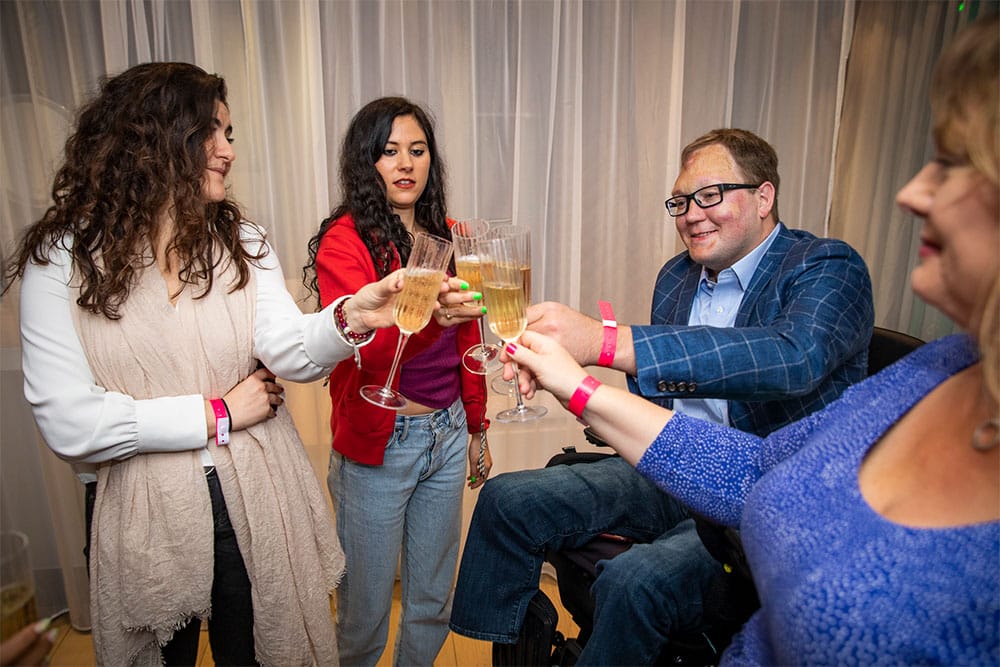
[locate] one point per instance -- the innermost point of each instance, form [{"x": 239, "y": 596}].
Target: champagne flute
[
  {"x": 523, "y": 234},
  {"x": 425, "y": 270},
  {"x": 501, "y": 261},
  {"x": 482, "y": 358}
]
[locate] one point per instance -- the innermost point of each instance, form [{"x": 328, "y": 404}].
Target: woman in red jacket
[{"x": 396, "y": 477}]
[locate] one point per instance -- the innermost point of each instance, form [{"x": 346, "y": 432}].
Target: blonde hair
[{"x": 965, "y": 103}]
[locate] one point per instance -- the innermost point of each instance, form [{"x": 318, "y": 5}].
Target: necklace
[{"x": 986, "y": 436}]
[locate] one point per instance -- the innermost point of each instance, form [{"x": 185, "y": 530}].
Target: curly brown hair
[{"x": 138, "y": 149}]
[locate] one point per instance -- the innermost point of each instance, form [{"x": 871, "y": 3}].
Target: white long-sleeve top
[{"x": 85, "y": 424}]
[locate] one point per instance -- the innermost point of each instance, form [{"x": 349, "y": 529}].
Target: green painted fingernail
[
  {"x": 465, "y": 285},
  {"x": 477, "y": 296},
  {"x": 484, "y": 310}
]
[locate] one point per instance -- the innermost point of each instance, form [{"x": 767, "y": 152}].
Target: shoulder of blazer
[{"x": 791, "y": 252}]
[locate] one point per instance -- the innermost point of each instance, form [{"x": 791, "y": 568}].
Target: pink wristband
[
  {"x": 221, "y": 421},
  {"x": 610, "y": 342},
  {"x": 582, "y": 394}
]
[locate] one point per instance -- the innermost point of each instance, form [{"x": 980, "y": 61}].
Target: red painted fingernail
[{"x": 511, "y": 348}]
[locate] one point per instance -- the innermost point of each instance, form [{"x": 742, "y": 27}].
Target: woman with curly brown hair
[
  {"x": 153, "y": 321},
  {"x": 396, "y": 479}
]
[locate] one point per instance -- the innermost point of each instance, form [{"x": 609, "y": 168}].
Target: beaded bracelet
[
  {"x": 344, "y": 329},
  {"x": 352, "y": 338}
]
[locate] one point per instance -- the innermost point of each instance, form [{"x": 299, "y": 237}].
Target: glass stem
[
  {"x": 482, "y": 338},
  {"x": 517, "y": 389},
  {"x": 403, "y": 337}
]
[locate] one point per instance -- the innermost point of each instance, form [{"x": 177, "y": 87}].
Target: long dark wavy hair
[
  {"x": 364, "y": 192},
  {"x": 138, "y": 149}
]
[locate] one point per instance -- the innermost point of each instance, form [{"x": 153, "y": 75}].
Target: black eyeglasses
[{"x": 706, "y": 197}]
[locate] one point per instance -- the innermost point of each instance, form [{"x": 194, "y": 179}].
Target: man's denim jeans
[{"x": 641, "y": 596}]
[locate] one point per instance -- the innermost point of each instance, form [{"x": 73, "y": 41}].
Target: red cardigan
[{"x": 360, "y": 429}]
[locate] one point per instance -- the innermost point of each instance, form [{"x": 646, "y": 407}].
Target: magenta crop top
[{"x": 432, "y": 377}]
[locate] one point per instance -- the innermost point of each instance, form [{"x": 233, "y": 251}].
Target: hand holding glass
[
  {"x": 425, "y": 270},
  {"x": 481, "y": 358},
  {"x": 502, "y": 262}
]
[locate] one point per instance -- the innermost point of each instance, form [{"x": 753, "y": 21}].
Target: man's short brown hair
[{"x": 754, "y": 156}]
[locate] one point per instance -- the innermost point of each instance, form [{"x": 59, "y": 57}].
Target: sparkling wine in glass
[
  {"x": 503, "y": 284},
  {"x": 522, "y": 234},
  {"x": 481, "y": 358},
  {"x": 425, "y": 271}
]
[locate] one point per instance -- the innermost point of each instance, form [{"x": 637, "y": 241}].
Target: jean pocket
[
  {"x": 397, "y": 435},
  {"x": 460, "y": 420}
]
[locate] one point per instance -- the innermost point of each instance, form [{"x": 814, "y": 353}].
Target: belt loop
[
  {"x": 442, "y": 419},
  {"x": 437, "y": 421},
  {"x": 404, "y": 427}
]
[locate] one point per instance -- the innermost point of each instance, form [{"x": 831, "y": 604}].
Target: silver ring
[{"x": 447, "y": 314}]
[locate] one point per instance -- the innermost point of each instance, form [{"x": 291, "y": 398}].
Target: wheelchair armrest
[{"x": 593, "y": 438}]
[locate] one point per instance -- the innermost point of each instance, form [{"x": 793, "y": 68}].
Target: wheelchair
[
  {"x": 730, "y": 601},
  {"x": 732, "y": 597}
]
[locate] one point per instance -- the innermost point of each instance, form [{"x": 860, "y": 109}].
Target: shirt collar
[{"x": 747, "y": 266}]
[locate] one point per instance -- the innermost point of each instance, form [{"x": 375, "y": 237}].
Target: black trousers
[{"x": 230, "y": 630}]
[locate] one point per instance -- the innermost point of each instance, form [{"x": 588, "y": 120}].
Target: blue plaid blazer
[{"x": 801, "y": 335}]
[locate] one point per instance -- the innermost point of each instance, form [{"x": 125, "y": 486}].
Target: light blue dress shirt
[{"x": 716, "y": 304}]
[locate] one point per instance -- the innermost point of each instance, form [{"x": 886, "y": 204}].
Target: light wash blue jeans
[{"x": 409, "y": 511}]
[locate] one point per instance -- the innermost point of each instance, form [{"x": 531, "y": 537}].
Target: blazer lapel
[
  {"x": 674, "y": 306},
  {"x": 766, "y": 273}
]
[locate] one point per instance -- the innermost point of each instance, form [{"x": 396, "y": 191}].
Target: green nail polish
[
  {"x": 477, "y": 297},
  {"x": 484, "y": 310},
  {"x": 465, "y": 285}
]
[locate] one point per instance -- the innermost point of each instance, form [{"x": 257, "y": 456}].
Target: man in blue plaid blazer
[{"x": 755, "y": 326}]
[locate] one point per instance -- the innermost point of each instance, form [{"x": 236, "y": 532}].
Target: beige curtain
[
  {"x": 884, "y": 139},
  {"x": 567, "y": 115}
]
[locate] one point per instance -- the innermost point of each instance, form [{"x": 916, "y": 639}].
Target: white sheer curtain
[
  {"x": 568, "y": 116},
  {"x": 884, "y": 139}
]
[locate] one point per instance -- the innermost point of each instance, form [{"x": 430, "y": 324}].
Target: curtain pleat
[{"x": 883, "y": 139}]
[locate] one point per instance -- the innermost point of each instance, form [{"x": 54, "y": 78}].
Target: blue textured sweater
[{"x": 839, "y": 584}]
